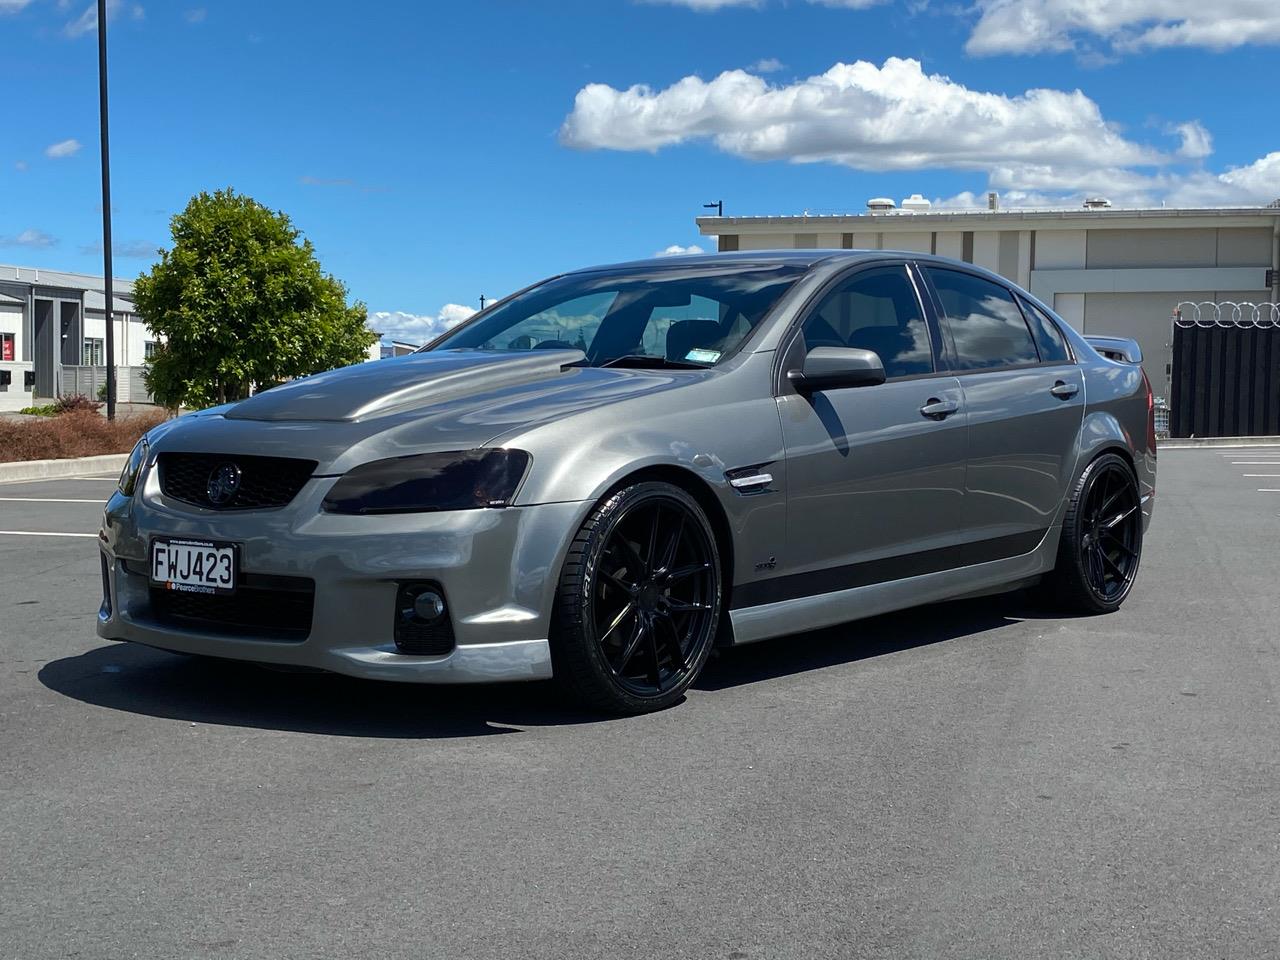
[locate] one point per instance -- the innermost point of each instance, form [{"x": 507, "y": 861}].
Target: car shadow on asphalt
[
  {"x": 848, "y": 643},
  {"x": 136, "y": 679}
]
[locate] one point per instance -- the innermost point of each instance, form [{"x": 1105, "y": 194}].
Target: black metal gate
[{"x": 1226, "y": 377}]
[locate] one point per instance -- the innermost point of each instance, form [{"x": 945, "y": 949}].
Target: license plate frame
[{"x": 190, "y": 582}]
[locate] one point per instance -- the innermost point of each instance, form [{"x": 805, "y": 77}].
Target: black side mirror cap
[{"x": 834, "y": 368}]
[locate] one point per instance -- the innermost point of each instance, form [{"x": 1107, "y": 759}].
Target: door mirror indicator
[{"x": 834, "y": 368}]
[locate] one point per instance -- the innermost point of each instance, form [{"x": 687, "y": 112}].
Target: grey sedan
[{"x": 606, "y": 474}]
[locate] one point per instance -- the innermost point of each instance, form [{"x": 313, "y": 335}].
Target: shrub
[
  {"x": 76, "y": 402},
  {"x": 81, "y": 433},
  {"x": 44, "y": 410}
]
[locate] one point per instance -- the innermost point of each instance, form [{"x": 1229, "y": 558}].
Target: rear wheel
[
  {"x": 1101, "y": 539},
  {"x": 638, "y": 601}
]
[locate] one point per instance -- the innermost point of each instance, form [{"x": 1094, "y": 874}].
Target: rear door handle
[
  {"x": 937, "y": 409},
  {"x": 1065, "y": 391}
]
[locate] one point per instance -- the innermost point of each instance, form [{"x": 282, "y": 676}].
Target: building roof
[
  {"x": 900, "y": 217},
  {"x": 93, "y": 300},
  {"x": 42, "y": 277}
]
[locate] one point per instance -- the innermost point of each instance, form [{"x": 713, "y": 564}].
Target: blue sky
[{"x": 433, "y": 152}]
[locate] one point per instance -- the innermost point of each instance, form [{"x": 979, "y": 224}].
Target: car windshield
[{"x": 662, "y": 317}]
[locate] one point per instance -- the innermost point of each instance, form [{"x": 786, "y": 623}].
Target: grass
[{"x": 78, "y": 433}]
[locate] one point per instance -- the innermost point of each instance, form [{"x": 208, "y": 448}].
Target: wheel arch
[{"x": 701, "y": 491}]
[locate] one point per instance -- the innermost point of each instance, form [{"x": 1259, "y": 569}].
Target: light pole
[
  {"x": 106, "y": 210},
  {"x": 718, "y": 207}
]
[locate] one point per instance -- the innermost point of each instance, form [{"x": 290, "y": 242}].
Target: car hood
[
  {"x": 386, "y": 387},
  {"x": 395, "y": 407}
]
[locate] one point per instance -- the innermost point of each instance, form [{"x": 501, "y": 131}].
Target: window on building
[
  {"x": 875, "y": 310},
  {"x": 7, "y": 347},
  {"x": 984, "y": 320},
  {"x": 93, "y": 352},
  {"x": 149, "y": 349}
]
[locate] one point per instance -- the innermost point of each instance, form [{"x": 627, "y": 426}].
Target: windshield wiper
[{"x": 648, "y": 361}]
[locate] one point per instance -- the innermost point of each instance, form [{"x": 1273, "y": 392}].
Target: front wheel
[
  {"x": 1101, "y": 539},
  {"x": 639, "y": 600}
]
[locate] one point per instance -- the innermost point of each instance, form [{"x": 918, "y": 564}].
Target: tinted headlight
[
  {"x": 133, "y": 467},
  {"x": 457, "y": 480}
]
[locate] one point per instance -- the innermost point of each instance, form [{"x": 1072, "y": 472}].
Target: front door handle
[
  {"x": 937, "y": 409},
  {"x": 1065, "y": 391}
]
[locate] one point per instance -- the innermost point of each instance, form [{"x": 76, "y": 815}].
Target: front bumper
[{"x": 497, "y": 569}]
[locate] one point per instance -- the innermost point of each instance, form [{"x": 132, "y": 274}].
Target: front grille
[
  {"x": 263, "y": 607},
  {"x": 265, "y": 482}
]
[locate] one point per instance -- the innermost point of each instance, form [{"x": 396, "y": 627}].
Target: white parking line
[
  {"x": 42, "y": 533},
  {"x": 1260, "y": 474},
  {"x": 1268, "y": 490},
  {"x": 43, "y": 500},
  {"x": 1255, "y": 463},
  {"x": 58, "y": 480}
]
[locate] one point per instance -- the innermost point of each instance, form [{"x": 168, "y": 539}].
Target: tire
[
  {"x": 638, "y": 603},
  {"x": 1101, "y": 543}
]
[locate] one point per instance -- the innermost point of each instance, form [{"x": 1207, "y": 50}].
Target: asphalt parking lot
[{"x": 973, "y": 779}]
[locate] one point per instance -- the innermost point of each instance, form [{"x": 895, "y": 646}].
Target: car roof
[{"x": 770, "y": 258}]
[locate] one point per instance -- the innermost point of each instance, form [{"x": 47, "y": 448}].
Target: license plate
[{"x": 193, "y": 566}]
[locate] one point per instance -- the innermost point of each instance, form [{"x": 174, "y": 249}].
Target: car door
[
  {"x": 875, "y": 474},
  {"x": 1024, "y": 397}
]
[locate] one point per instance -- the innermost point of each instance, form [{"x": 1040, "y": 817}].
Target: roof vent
[
  {"x": 880, "y": 204},
  {"x": 916, "y": 204},
  {"x": 993, "y": 200},
  {"x": 1096, "y": 203}
]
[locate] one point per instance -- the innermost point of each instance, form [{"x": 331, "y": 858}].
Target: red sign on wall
[{"x": 6, "y": 346}]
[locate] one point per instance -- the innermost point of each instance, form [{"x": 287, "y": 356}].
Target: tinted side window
[
  {"x": 1053, "y": 347},
  {"x": 985, "y": 322},
  {"x": 875, "y": 310}
]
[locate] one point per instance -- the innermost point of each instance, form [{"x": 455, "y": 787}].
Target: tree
[{"x": 238, "y": 302}]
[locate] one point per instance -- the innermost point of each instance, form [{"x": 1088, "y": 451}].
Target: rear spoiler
[{"x": 1120, "y": 349}]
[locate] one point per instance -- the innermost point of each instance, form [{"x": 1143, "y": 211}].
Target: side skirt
[{"x": 841, "y": 606}]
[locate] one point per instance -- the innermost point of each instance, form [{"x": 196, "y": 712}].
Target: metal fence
[
  {"x": 1226, "y": 370},
  {"x": 91, "y": 382}
]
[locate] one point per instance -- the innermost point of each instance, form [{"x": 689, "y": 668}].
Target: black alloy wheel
[
  {"x": 1112, "y": 536},
  {"x": 1101, "y": 538},
  {"x": 639, "y": 600}
]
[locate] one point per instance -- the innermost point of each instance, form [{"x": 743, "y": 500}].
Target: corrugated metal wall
[{"x": 1226, "y": 381}]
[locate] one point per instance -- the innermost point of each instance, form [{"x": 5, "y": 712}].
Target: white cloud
[
  {"x": 1196, "y": 140},
  {"x": 87, "y": 22},
  {"x": 63, "y": 148},
  {"x": 1027, "y": 26},
  {"x": 707, "y": 6},
  {"x": 1043, "y": 146},
  {"x": 767, "y": 65},
  {"x": 893, "y": 117},
  {"x": 418, "y": 328},
  {"x": 675, "y": 250},
  {"x": 196, "y": 15},
  {"x": 849, "y": 4},
  {"x": 36, "y": 239},
  {"x": 13, "y": 6},
  {"x": 20, "y": 166}
]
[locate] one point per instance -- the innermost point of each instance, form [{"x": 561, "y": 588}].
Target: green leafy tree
[{"x": 241, "y": 301}]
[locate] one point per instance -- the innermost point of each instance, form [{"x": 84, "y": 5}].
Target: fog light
[
  {"x": 422, "y": 623},
  {"x": 429, "y": 605}
]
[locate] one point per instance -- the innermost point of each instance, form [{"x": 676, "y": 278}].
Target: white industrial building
[
  {"x": 1103, "y": 269},
  {"x": 53, "y": 336}
]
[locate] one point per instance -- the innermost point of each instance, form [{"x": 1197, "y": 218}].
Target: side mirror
[{"x": 832, "y": 368}]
